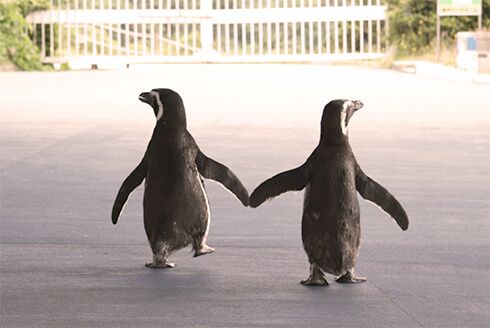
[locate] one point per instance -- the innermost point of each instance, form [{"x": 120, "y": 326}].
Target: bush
[
  {"x": 413, "y": 25},
  {"x": 15, "y": 44}
]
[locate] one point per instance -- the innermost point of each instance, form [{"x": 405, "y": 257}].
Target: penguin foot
[
  {"x": 350, "y": 278},
  {"x": 163, "y": 265},
  {"x": 204, "y": 249},
  {"x": 316, "y": 277},
  {"x": 319, "y": 281}
]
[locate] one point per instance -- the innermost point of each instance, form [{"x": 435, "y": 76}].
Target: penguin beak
[
  {"x": 357, "y": 104},
  {"x": 145, "y": 97}
]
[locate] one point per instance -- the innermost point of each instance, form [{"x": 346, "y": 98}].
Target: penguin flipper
[
  {"x": 374, "y": 192},
  {"x": 295, "y": 179},
  {"x": 133, "y": 180},
  {"x": 210, "y": 169}
]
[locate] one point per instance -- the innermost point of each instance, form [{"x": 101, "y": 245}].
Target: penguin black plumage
[
  {"x": 331, "y": 216},
  {"x": 175, "y": 205}
]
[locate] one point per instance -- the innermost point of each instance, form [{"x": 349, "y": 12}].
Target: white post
[
  {"x": 169, "y": 31},
  {"x": 269, "y": 38},
  {"x": 261, "y": 32},
  {"x": 143, "y": 30},
  {"x": 94, "y": 42},
  {"x": 302, "y": 26},
  {"x": 118, "y": 27},
  {"x": 303, "y": 38},
  {"x": 319, "y": 36},
  {"x": 152, "y": 39},
  {"x": 361, "y": 36},
  {"x": 295, "y": 41},
  {"x": 244, "y": 38},
  {"x": 85, "y": 32},
  {"x": 102, "y": 31},
  {"x": 68, "y": 28},
  {"x": 169, "y": 35},
  {"x": 328, "y": 49},
  {"x": 261, "y": 38},
  {"x": 218, "y": 37},
  {"x": 310, "y": 37},
  {"x": 252, "y": 38},
  {"x": 353, "y": 36},
  {"x": 286, "y": 38},
  {"x": 186, "y": 33},
  {"x": 60, "y": 31},
  {"x": 278, "y": 39},
  {"x": 438, "y": 35},
  {"x": 235, "y": 38},
  {"x": 111, "y": 43},
  {"x": 378, "y": 27},
  {"x": 336, "y": 36},
  {"x": 160, "y": 31},
  {"x": 227, "y": 39},
  {"x": 126, "y": 26},
  {"x": 207, "y": 28},
  {"x": 51, "y": 30},
  {"x": 344, "y": 36},
  {"x": 177, "y": 38},
  {"x": 194, "y": 37},
  {"x": 310, "y": 31},
  {"x": 43, "y": 40}
]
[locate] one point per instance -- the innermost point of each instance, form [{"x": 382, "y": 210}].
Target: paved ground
[{"x": 69, "y": 139}]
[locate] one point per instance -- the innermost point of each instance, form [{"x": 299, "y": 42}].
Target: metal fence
[{"x": 98, "y": 32}]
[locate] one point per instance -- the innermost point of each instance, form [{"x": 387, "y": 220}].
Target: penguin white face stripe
[
  {"x": 343, "y": 116},
  {"x": 159, "y": 103}
]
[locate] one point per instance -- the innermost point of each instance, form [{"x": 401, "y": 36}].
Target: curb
[{"x": 439, "y": 71}]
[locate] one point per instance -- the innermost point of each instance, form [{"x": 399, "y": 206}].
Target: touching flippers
[
  {"x": 210, "y": 169},
  {"x": 295, "y": 179},
  {"x": 132, "y": 181},
  {"x": 374, "y": 192}
]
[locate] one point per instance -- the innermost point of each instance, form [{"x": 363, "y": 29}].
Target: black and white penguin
[
  {"x": 175, "y": 205},
  {"x": 330, "y": 224}
]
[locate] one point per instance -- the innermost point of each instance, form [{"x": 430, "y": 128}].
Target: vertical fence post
[
  {"x": 43, "y": 40},
  {"x": 68, "y": 28},
  {"x": 126, "y": 28},
  {"x": 51, "y": 30},
  {"x": 77, "y": 37},
  {"x": 207, "y": 28},
  {"x": 378, "y": 30},
  {"x": 370, "y": 31}
]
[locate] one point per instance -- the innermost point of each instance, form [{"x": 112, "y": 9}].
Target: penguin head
[
  {"x": 167, "y": 106},
  {"x": 336, "y": 117}
]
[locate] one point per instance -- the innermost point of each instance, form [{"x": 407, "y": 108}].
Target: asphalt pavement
[{"x": 68, "y": 140}]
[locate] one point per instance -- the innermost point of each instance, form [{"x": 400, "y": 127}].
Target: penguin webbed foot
[
  {"x": 162, "y": 265},
  {"x": 350, "y": 278},
  {"x": 203, "y": 250},
  {"x": 316, "y": 277},
  {"x": 321, "y": 281}
]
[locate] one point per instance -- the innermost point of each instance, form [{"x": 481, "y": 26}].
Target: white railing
[{"x": 129, "y": 31}]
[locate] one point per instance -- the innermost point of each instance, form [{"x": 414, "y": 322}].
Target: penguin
[
  {"x": 175, "y": 205},
  {"x": 332, "y": 177}
]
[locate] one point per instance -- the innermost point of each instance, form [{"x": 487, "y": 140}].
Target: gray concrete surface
[{"x": 68, "y": 140}]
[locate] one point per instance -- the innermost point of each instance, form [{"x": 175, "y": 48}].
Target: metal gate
[{"x": 108, "y": 32}]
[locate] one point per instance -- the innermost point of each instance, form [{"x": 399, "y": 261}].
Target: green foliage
[
  {"x": 413, "y": 25},
  {"x": 15, "y": 45}
]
